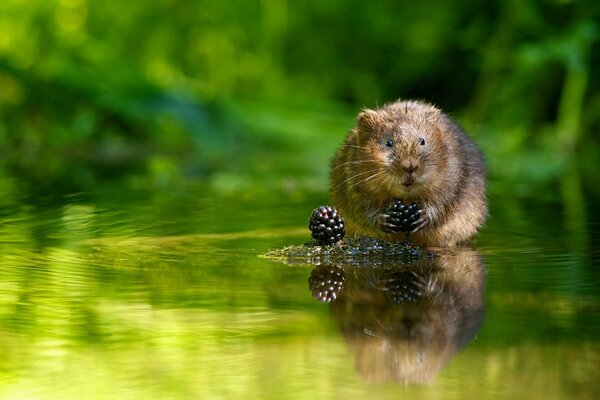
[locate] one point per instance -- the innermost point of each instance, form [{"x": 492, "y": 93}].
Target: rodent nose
[{"x": 409, "y": 167}]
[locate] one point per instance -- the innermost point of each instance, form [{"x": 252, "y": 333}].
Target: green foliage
[{"x": 168, "y": 90}]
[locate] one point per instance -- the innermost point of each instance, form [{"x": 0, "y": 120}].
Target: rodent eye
[
  {"x": 422, "y": 141},
  {"x": 389, "y": 143}
]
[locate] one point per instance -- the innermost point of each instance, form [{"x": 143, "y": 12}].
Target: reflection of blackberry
[
  {"x": 326, "y": 225},
  {"x": 403, "y": 216},
  {"x": 403, "y": 287},
  {"x": 326, "y": 282}
]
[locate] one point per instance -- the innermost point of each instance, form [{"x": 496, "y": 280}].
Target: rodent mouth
[
  {"x": 404, "y": 185},
  {"x": 408, "y": 181}
]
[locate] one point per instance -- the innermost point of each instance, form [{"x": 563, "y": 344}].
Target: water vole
[{"x": 410, "y": 150}]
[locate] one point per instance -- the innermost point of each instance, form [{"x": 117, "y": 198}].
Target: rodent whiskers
[
  {"x": 355, "y": 146},
  {"x": 351, "y": 162},
  {"x": 355, "y": 176},
  {"x": 385, "y": 181}
]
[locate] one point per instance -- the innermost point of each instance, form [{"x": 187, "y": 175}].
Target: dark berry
[
  {"x": 403, "y": 287},
  {"x": 326, "y": 282},
  {"x": 403, "y": 216},
  {"x": 326, "y": 225}
]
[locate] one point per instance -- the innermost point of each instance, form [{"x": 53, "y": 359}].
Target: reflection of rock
[{"x": 404, "y": 323}]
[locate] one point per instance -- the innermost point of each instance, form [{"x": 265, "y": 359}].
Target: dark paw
[
  {"x": 421, "y": 223},
  {"x": 386, "y": 225}
]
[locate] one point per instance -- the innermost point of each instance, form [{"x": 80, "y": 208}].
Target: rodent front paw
[
  {"x": 421, "y": 223},
  {"x": 385, "y": 225}
]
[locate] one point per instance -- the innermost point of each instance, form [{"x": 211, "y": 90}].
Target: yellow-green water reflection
[{"x": 165, "y": 297}]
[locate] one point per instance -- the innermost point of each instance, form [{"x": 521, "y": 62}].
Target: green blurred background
[{"x": 241, "y": 93}]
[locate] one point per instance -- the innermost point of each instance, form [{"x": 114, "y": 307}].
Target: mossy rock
[{"x": 358, "y": 251}]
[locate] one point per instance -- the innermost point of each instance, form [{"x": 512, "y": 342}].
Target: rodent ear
[{"x": 367, "y": 120}]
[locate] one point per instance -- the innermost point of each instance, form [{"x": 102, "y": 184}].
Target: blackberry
[
  {"x": 326, "y": 225},
  {"x": 403, "y": 287},
  {"x": 326, "y": 282},
  {"x": 403, "y": 216}
]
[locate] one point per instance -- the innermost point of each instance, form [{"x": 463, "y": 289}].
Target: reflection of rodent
[
  {"x": 411, "y": 341},
  {"x": 410, "y": 150}
]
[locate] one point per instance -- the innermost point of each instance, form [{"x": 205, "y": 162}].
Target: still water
[{"x": 134, "y": 294}]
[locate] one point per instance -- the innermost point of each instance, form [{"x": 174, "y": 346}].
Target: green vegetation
[{"x": 170, "y": 90}]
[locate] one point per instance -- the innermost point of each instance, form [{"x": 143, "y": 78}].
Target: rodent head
[{"x": 405, "y": 146}]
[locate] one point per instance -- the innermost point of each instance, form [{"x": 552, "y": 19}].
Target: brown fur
[{"x": 448, "y": 177}]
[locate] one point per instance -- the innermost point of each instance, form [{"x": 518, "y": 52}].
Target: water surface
[{"x": 137, "y": 294}]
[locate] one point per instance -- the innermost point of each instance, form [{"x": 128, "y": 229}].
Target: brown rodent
[{"x": 410, "y": 150}]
